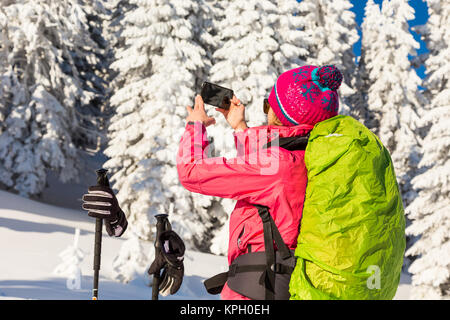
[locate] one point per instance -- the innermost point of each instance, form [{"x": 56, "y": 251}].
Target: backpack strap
[
  {"x": 268, "y": 270},
  {"x": 271, "y": 233},
  {"x": 214, "y": 285}
]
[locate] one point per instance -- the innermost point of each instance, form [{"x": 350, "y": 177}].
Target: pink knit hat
[{"x": 306, "y": 95}]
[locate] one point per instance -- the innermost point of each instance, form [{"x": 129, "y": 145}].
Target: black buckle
[{"x": 277, "y": 268}]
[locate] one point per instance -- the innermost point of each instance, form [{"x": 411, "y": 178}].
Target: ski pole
[
  {"x": 162, "y": 224},
  {"x": 102, "y": 180}
]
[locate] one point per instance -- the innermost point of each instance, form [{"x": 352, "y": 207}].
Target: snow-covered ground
[{"x": 33, "y": 234}]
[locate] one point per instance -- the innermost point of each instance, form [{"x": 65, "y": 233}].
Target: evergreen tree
[
  {"x": 132, "y": 260},
  {"x": 331, "y": 28},
  {"x": 430, "y": 209},
  {"x": 70, "y": 267},
  {"x": 370, "y": 47},
  {"x": 93, "y": 66},
  {"x": 259, "y": 40},
  {"x": 158, "y": 68},
  {"x": 47, "y": 94},
  {"x": 391, "y": 86}
]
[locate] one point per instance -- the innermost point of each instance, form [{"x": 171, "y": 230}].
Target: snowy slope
[{"x": 32, "y": 235}]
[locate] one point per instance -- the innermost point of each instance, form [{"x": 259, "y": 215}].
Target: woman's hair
[{"x": 276, "y": 121}]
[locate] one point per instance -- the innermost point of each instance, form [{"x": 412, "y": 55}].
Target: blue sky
[{"x": 421, "y": 13}]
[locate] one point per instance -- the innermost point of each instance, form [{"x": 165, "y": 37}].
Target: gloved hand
[
  {"x": 101, "y": 202},
  {"x": 170, "y": 259}
]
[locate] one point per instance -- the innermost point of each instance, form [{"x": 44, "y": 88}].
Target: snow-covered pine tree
[
  {"x": 132, "y": 259},
  {"x": 430, "y": 210},
  {"x": 294, "y": 43},
  {"x": 47, "y": 92},
  {"x": 259, "y": 40},
  {"x": 391, "y": 85},
  {"x": 70, "y": 267},
  {"x": 158, "y": 69},
  {"x": 92, "y": 63},
  {"x": 331, "y": 26},
  {"x": 113, "y": 23},
  {"x": 370, "y": 29}
]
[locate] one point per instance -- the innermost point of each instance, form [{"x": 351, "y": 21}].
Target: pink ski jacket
[{"x": 271, "y": 176}]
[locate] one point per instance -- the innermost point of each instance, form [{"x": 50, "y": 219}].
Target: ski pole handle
[{"x": 102, "y": 180}]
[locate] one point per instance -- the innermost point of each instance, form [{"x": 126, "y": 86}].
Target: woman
[{"x": 299, "y": 99}]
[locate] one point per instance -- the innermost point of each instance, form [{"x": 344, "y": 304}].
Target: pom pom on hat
[{"x": 330, "y": 77}]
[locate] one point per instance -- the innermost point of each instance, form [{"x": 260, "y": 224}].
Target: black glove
[
  {"x": 170, "y": 259},
  {"x": 101, "y": 202}
]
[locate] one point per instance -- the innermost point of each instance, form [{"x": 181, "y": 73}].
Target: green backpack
[{"x": 352, "y": 234}]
